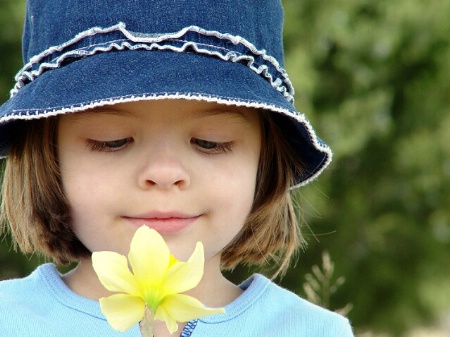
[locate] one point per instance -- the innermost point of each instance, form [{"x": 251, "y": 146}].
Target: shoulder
[
  {"x": 292, "y": 301},
  {"x": 42, "y": 305},
  {"x": 266, "y": 309},
  {"x": 16, "y": 290},
  {"x": 17, "y": 295},
  {"x": 293, "y": 314},
  {"x": 24, "y": 297}
]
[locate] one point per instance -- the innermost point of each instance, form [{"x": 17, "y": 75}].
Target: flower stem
[{"x": 147, "y": 323}]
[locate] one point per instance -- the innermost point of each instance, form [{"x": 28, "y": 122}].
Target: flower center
[{"x": 153, "y": 297}]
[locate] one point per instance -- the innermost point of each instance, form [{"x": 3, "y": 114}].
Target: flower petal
[
  {"x": 113, "y": 272},
  {"x": 183, "y": 276},
  {"x": 149, "y": 256},
  {"x": 122, "y": 311},
  {"x": 183, "y": 308},
  {"x": 162, "y": 315}
]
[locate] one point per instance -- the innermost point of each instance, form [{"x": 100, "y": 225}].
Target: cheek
[
  {"x": 85, "y": 194},
  {"x": 85, "y": 181},
  {"x": 236, "y": 195}
]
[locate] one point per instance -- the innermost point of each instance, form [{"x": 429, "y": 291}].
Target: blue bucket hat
[{"x": 84, "y": 54}]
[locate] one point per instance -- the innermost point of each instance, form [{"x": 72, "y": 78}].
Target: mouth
[{"x": 163, "y": 222}]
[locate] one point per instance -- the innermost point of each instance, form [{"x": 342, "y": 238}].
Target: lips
[{"x": 163, "y": 222}]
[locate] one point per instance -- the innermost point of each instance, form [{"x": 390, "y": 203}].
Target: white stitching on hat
[{"x": 150, "y": 42}]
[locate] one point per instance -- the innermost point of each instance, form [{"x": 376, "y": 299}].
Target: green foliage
[
  {"x": 11, "y": 21},
  {"x": 374, "y": 79}
]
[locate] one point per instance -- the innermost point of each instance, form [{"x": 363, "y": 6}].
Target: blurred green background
[{"x": 374, "y": 79}]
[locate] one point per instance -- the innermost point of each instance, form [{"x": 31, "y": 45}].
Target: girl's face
[{"x": 185, "y": 168}]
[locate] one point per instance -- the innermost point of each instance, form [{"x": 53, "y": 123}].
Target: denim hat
[{"x": 84, "y": 54}]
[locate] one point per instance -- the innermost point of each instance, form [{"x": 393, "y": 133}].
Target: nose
[{"x": 164, "y": 169}]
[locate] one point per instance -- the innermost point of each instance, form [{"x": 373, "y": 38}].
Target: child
[{"x": 173, "y": 114}]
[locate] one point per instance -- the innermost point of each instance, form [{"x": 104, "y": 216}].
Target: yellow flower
[{"x": 155, "y": 282}]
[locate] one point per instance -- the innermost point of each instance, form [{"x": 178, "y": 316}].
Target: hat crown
[{"x": 50, "y": 23}]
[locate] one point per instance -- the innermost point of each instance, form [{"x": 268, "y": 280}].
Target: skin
[{"x": 186, "y": 168}]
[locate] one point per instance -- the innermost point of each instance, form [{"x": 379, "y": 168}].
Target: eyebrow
[
  {"x": 221, "y": 110},
  {"x": 109, "y": 110}
]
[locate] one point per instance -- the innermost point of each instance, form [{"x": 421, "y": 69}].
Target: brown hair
[
  {"x": 34, "y": 205},
  {"x": 271, "y": 232},
  {"x": 33, "y": 202}
]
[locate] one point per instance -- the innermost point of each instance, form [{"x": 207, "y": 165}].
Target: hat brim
[{"x": 128, "y": 75}]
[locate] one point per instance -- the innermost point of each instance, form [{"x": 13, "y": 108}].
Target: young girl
[{"x": 173, "y": 114}]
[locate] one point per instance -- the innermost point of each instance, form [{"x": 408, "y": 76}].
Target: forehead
[{"x": 180, "y": 108}]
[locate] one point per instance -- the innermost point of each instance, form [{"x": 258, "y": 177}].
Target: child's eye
[
  {"x": 109, "y": 146},
  {"x": 210, "y": 147}
]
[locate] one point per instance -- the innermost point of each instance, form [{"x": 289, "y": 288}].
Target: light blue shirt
[{"x": 42, "y": 305}]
